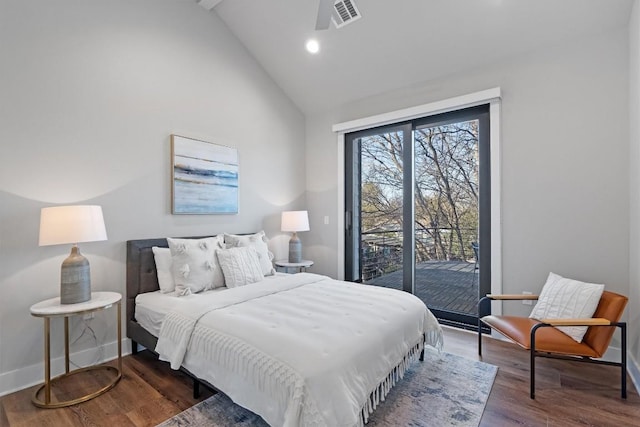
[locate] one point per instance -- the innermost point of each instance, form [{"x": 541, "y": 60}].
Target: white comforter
[{"x": 302, "y": 351}]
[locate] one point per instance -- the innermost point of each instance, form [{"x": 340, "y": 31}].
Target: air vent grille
[{"x": 345, "y": 12}]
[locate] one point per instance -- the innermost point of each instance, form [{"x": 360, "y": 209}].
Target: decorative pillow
[
  {"x": 162, "y": 256},
  {"x": 563, "y": 298},
  {"x": 194, "y": 264},
  {"x": 257, "y": 241},
  {"x": 240, "y": 266},
  {"x": 218, "y": 275}
]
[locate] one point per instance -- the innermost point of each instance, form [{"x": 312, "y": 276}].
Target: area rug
[{"x": 444, "y": 390}]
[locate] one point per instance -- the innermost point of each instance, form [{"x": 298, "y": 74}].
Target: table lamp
[
  {"x": 295, "y": 221},
  {"x": 72, "y": 225}
]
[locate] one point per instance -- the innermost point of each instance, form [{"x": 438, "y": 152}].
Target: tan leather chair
[{"x": 543, "y": 340}]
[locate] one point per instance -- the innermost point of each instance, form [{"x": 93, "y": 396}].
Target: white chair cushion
[{"x": 563, "y": 298}]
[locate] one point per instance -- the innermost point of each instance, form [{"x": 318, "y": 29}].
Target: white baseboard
[
  {"x": 633, "y": 368},
  {"x": 31, "y": 375},
  {"x": 613, "y": 354},
  {"x": 28, "y": 376}
]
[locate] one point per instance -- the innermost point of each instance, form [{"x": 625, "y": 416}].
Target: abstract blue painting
[{"x": 205, "y": 177}]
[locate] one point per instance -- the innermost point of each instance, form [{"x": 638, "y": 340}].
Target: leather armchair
[{"x": 542, "y": 339}]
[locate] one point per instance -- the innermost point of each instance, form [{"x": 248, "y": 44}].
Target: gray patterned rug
[{"x": 444, "y": 390}]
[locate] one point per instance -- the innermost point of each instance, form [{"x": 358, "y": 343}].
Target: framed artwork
[{"x": 204, "y": 177}]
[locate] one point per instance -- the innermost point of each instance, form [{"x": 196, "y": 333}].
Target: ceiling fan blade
[{"x": 324, "y": 14}]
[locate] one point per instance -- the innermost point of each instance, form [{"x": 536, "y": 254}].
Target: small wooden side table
[
  {"x": 297, "y": 267},
  {"x": 52, "y": 308}
]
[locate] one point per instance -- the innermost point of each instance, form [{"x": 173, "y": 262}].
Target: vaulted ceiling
[{"x": 403, "y": 42}]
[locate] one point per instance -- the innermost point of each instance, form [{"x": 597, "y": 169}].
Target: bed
[{"x": 299, "y": 350}]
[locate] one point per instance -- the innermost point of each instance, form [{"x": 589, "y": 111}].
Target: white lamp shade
[
  {"x": 295, "y": 221},
  {"x": 71, "y": 224}
]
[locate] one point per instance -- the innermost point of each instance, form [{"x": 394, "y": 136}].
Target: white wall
[
  {"x": 634, "y": 234},
  {"x": 565, "y": 167},
  {"x": 90, "y": 93}
]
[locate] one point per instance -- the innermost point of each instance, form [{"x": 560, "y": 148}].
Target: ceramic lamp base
[
  {"x": 75, "y": 278},
  {"x": 295, "y": 249}
]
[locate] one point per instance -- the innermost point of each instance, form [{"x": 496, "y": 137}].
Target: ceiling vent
[{"x": 344, "y": 12}]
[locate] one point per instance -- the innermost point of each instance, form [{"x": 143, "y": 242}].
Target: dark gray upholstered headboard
[{"x": 141, "y": 270}]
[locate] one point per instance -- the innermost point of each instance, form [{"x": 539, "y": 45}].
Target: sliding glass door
[
  {"x": 379, "y": 228},
  {"x": 417, "y": 210}
]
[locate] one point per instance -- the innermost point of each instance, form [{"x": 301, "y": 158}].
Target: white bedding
[
  {"x": 153, "y": 307},
  {"x": 300, "y": 350},
  {"x": 147, "y": 314}
]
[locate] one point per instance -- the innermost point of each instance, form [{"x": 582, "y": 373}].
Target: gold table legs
[{"x": 48, "y": 381}]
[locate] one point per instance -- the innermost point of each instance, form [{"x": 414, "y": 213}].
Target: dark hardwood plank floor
[{"x": 568, "y": 394}]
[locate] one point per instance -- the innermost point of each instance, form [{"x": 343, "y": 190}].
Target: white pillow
[
  {"x": 162, "y": 256},
  {"x": 241, "y": 266},
  {"x": 194, "y": 264},
  {"x": 563, "y": 298},
  {"x": 218, "y": 275},
  {"x": 259, "y": 242}
]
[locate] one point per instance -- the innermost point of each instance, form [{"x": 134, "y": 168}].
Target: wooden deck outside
[{"x": 442, "y": 285}]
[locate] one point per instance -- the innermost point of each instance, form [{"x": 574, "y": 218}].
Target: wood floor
[{"x": 568, "y": 394}]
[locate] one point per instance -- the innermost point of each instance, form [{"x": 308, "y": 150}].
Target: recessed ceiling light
[{"x": 312, "y": 46}]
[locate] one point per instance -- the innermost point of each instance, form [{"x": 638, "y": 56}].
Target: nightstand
[
  {"x": 295, "y": 267},
  {"x": 51, "y": 308}
]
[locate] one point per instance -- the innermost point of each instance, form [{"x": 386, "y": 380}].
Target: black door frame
[
  {"x": 353, "y": 226},
  {"x": 353, "y": 182}
]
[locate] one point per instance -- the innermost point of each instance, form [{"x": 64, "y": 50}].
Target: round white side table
[
  {"x": 51, "y": 308},
  {"x": 297, "y": 267}
]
